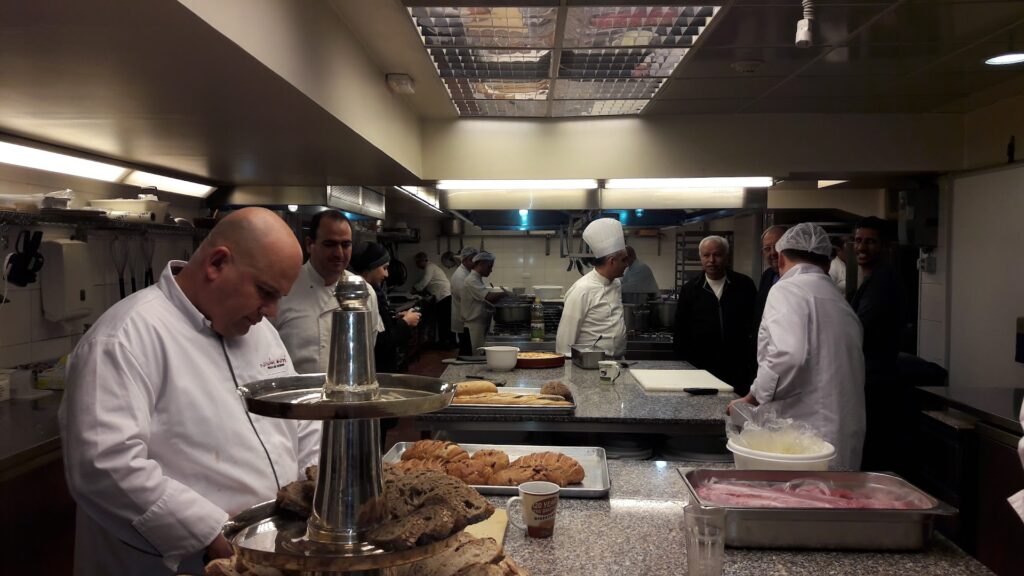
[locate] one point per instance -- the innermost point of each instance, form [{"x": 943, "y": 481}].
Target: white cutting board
[{"x": 676, "y": 380}]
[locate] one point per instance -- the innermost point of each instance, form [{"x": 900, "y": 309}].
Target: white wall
[
  {"x": 866, "y": 202},
  {"x": 933, "y": 289},
  {"x": 986, "y": 275},
  {"x": 988, "y": 130}
]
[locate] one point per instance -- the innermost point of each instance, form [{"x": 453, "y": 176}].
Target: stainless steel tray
[
  {"x": 506, "y": 409},
  {"x": 596, "y": 483},
  {"x": 823, "y": 528}
]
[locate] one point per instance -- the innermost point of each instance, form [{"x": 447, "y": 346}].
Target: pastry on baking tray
[
  {"x": 427, "y": 449},
  {"x": 566, "y": 465},
  {"x": 473, "y": 387},
  {"x": 516, "y": 475},
  {"x": 496, "y": 460},
  {"x": 470, "y": 471}
]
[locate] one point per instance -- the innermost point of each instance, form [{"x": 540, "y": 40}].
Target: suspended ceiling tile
[
  {"x": 466, "y": 89},
  {"x": 572, "y": 108},
  {"x": 620, "y": 62},
  {"x": 741, "y": 86},
  {"x": 863, "y": 86},
  {"x": 860, "y": 59},
  {"x": 601, "y": 88},
  {"x": 512, "y": 27},
  {"x": 774, "y": 24},
  {"x": 774, "y": 61},
  {"x": 869, "y": 105},
  {"x": 943, "y": 22},
  {"x": 972, "y": 58},
  {"x": 696, "y": 106},
  {"x": 511, "y": 108},
  {"x": 480, "y": 63},
  {"x": 618, "y": 26}
]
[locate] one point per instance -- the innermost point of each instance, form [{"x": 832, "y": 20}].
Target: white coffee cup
[
  {"x": 539, "y": 501},
  {"x": 609, "y": 369}
]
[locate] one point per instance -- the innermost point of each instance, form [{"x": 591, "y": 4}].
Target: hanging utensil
[
  {"x": 119, "y": 255},
  {"x": 148, "y": 248},
  {"x": 133, "y": 263}
]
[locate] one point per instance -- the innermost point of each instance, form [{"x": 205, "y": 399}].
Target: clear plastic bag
[{"x": 763, "y": 430}]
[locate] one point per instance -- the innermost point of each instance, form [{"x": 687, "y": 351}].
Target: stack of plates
[
  {"x": 695, "y": 449},
  {"x": 627, "y": 447}
]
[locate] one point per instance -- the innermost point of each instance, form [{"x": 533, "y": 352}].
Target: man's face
[
  {"x": 712, "y": 259},
  {"x": 468, "y": 262},
  {"x": 618, "y": 263},
  {"x": 484, "y": 268},
  {"x": 244, "y": 293},
  {"x": 377, "y": 276},
  {"x": 867, "y": 244},
  {"x": 771, "y": 256},
  {"x": 331, "y": 250},
  {"x": 422, "y": 263}
]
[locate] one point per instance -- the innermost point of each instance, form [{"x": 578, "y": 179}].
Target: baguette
[
  {"x": 505, "y": 398},
  {"x": 473, "y": 387}
]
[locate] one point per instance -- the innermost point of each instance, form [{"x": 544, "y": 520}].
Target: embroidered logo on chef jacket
[{"x": 274, "y": 365}]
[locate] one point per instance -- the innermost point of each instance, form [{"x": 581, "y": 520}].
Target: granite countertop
[
  {"x": 637, "y": 530},
  {"x": 28, "y": 430},
  {"x": 622, "y": 402},
  {"x": 996, "y": 405}
]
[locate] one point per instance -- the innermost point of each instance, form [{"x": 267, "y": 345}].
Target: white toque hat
[
  {"x": 604, "y": 236},
  {"x": 806, "y": 237}
]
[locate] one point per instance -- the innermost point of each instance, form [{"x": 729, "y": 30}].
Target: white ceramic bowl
[
  {"x": 548, "y": 292},
  {"x": 747, "y": 459},
  {"x": 501, "y": 358}
]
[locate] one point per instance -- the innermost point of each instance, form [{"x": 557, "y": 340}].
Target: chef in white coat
[
  {"x": 159, "y": 450},
  {"x": 810, "y": 363},
  {"x": 1017, "y": 500},
  {"x": 477, "y": 299},
  {"x": 593, "y": 304},
  {"x": 304, "y": 315},
  {"x": 458, "y": 279}
]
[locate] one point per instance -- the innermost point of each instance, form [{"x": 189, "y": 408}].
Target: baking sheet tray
[
  {"x": 596, "y": 483},
  {"x": 823, "y": 528},
  {"x": 510, "y": 409}
]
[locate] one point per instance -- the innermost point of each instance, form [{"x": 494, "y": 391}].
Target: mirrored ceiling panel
[
  {"x": 571, "y": 108},
  {"x": 512, "y": 108},
  {"x": 606, "y": 89},
  {"x": 538, "y": 61},
  {"x": 610, "y": 26},
  {"x": 518, "y": 27},
  {"x": 465, "y": 89},
  {"x": 620, "y": 62}
]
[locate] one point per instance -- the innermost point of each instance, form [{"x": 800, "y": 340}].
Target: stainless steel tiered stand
[{"x": 349, "y": 500}]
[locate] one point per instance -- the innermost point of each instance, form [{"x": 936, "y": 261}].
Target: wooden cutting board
[
  {"x": 676, "y": 380},
  {"x": 493, "y": 527}
]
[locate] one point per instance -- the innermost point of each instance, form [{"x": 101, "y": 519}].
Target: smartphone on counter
[{"x": 701, "y": 391}]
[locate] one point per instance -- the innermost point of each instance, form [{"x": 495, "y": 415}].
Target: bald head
[{"x": 239, "y": 273}]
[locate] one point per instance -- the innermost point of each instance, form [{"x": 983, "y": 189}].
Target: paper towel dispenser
[{"x": 65, "y": 280}]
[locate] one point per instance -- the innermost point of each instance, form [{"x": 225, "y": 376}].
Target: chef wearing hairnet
[
  {"x": 477, "y": 300},
  {"x": 810, "y": 363},
  {"x": 593, "y": 305},
  {"x": 458, "y": 279}
]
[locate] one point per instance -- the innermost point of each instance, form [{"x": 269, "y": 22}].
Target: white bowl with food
[
  {"x": 750, "y": 459},
  {"x": 501, "y": 358}
]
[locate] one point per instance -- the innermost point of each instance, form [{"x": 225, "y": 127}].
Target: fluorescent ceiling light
[
  {"x": 827, "y": 183},
  {"x": 165, "y": 184},
  {"x": 62, "y": 163},
  {"x": 420, "y": 195},
  {"x": 671, "y": 198},
  {"x": 1006, "y": 59},
  {"x": 517, "y": 184},
  {"x": 688, "y": 183}
]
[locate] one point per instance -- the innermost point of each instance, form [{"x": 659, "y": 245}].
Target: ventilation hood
[{"x": 361, "y": 200}]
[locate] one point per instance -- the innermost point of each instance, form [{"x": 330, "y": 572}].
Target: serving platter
[
  {"x": 596, "y": 482},
  {"x": 510, "y": 409}
]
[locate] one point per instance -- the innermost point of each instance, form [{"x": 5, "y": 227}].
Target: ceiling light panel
[
  {"x": 574, "y": 108},
  {"x": 620, "y": 62},
  {"x": 486, "y": 27},
  {"x": 603, "y": 26},
  {"x": 480, "y": 63},
  {"x": 512, "y": 108},
  {"x": 466, "y": 89},
  {"x": 606, "y": 88}
]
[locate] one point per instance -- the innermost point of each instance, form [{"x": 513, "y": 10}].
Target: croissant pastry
[
  {"x": 516, "y": 475},
  {"x": 496, "y": 460},
  {"x": 427, "y": 449},
  {"x": 566, "y": 465},
  {"x": 470, "y": 471}
]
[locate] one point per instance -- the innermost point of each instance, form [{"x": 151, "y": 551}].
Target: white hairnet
[
  {"x": 468, "y": 252},
  {"x": 806, "y": 237},
  {"x": 483, "y": 256}
]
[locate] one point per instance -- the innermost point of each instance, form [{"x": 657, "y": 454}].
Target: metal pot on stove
[{"x": 512, "y": 313}]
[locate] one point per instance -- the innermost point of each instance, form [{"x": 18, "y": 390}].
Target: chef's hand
[
  {"x": 410, "y": 318},
  {"x": 749, "y": 399},
  {"x": 219, "y": 548}
]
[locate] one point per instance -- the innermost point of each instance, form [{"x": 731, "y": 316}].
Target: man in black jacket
[
  {"x": 714, "y": 328},
  {"x": 770, "y": 276}
]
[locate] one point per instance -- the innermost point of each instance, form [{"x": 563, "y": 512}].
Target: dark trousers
[
  {"x": 443, "y": 314},
  {"x": 465, "y": 346}
]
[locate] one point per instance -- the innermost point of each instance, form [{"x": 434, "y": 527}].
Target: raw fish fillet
[{"x": 807, "y": 493}]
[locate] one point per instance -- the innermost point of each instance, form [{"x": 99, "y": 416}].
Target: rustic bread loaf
[
  {"x": 467, "y": 552},
  {"x": 406, "y": 493},
  {"x": 496, "y": 460},
  {"x": 556, "y": 388},
  {"x": 471, "y": 387},
  {"x": 426, "y": 449},
  {"x": 566, "y": 465},
  {"x": 516, "y": 475},
  {"x": 470, "y": 471},
  {"x": 297, "y": 497},
  {"x": 422, "y": 526}
]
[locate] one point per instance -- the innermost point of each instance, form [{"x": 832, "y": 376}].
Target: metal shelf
[{"x": 77, "y": 221}]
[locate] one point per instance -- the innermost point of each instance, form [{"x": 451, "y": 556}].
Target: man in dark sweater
[
  {"x": 770, "y": 276},
  {"x": 714, "y": 328},
  {"x": 879, "y": 306}
]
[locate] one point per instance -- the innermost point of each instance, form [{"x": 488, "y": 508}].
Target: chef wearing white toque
[
  {"x": 477, "y": 300},
  {"x": 593, "y": 305}
]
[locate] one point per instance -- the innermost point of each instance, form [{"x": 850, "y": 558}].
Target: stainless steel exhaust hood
[{"x": 362, "y": 200}]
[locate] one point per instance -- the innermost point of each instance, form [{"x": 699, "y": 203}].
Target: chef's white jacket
[
  {"x": 435, "y": 282},
  {"x": 810, "y": 364},
  {"x": 158, "y": 446},
  {"x": 304, "y": 320},
  {"x": 457, "y": 282},
  {"x": 1017, "y": 500},
  {"x": 593, "y": 308},
  {"x": 476, "y": 310}
]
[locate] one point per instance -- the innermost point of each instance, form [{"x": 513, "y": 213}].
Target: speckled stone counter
[
  {"x": 600, "y": 407},
  {"x": 637, "y": 530}
]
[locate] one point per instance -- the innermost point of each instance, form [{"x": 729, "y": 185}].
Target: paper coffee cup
[{"x": 539, "y": 501}]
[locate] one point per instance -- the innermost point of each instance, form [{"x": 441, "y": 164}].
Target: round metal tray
[
  {"x": 262, "y": 537},
  {"x": 301, "y": 398}
]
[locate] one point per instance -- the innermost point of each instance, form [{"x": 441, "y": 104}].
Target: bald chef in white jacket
[
  {"x": 304, "y": 315},
  {"x": 593, "y": 304},
  {"x": 810, "y": 366},
  {"x": 159, "y": 450}
]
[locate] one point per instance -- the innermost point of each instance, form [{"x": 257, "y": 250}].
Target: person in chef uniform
[
  {"x": 304, "y": 315},
  {"x": 478, "y": 301},
  {"x": 593, "y": 304},
  {"x": 435, "y": 284},
  {"x": 159, "y": 451},
  {"x": 810, "y": 363},
  {"x": 1017, "y": 500},
  {"x": 458, "y": 279}
]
